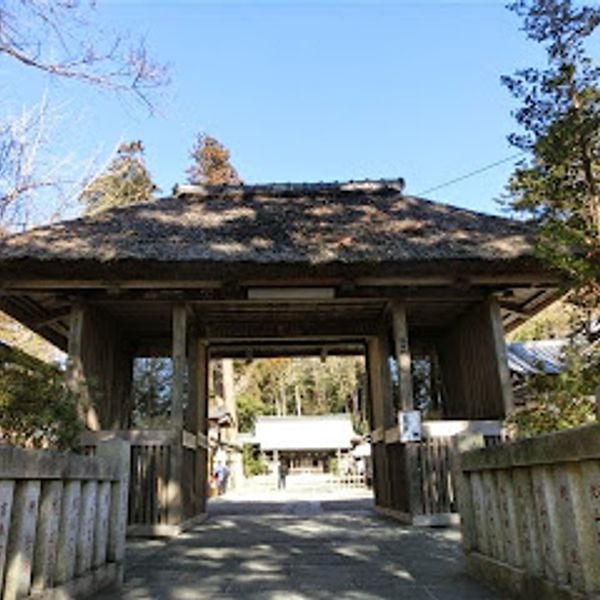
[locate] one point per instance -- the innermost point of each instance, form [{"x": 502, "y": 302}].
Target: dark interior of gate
[{"x": 445, "y": 294}]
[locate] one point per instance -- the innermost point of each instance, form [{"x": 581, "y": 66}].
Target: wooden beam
[
  {"x": 260, "y": 330},
  {"x": 90, "y": 284},
  {"x": 53, "y": 316}
]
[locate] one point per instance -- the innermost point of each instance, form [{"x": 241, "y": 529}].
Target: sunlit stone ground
[{"x": 300, "y": 545}]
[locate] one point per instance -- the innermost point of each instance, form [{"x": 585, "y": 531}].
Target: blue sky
[{"x": 310, "y": 91}]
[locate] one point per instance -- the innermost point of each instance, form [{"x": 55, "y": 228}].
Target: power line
[{"x": 471, "y": 174}]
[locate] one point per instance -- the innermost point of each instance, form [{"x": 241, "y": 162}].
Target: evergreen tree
[
  {"x": 560, "y": 115},
  {"x": 125, "y": 181},
  {"x": 211, "y": 164}
]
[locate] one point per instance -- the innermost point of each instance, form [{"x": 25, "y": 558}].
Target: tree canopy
[
  {"x": 211, "y": 163},
  {"x": 125, "y": 181},
  {"x": 559, "y": 185},
  {"x": 300, "y": 386}
]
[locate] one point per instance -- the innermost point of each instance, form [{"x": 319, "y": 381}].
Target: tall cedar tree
[
  {"x": 560, "y": 115},
  {"x": 211, "y": 164},
  {"x": 125, "y": 181}
]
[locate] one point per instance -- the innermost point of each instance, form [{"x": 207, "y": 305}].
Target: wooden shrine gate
[{"x": 278, "y": 270}]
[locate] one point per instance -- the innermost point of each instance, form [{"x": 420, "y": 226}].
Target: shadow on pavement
[{"x": 300, "y": 549}]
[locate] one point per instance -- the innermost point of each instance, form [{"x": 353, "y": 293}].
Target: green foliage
[
  {"x": 36, "y": 408},
  {"x": 210, "y": 163},
  {"x": 559, "y": 187},
  {"x": 299, "y": 386},
  {"x": 562, "y": 401},
  {"x": 252, "y": 464},
  {"x": 151, "y": 389},
  {"x": 125, "y": 181},
  {"x": 248, "y": 408},
  {"x": 334, "y": 466}
]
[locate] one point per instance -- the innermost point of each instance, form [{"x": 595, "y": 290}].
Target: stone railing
[
  {"x": 531, "y": 514},
  {"x": 62, "y": 521}
]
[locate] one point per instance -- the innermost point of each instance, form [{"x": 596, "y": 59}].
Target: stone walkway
[{"x": 300, "y": 548}]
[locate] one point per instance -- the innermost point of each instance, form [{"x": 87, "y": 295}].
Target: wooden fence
[
  {"x": 167, "y": 478},
  {"x": 531, "y": 514},
  {"x": 62, "y": 521},
  {"x": 414, "y": 481},
  {"x": 434, "y": 459}
]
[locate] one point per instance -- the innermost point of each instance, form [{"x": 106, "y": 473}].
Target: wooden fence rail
[
  {"x": 531, "y": 514},
  {"x": 62, "y": 521}
]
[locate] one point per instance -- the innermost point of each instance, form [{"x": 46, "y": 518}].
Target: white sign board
[{"x": 410, "y": 426}]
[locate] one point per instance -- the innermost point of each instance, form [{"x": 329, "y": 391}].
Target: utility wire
[{"x": 471, "y": 174}]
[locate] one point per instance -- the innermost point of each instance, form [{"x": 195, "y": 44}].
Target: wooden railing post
[
  {"x": 22, "y": 538},
  {"x": 463, "y": 496},
  {"x": 46, "y": 542},
  {"x": 119, "y": 451}
]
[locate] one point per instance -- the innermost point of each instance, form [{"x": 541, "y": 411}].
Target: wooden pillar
[
  {"x": 200, "y": 402},
  {"x": 474, "y": 365},
  {"x": 402, "y": 355},
  {"x": 76, "y": 376},
  {"x": 174, "y": 488},
  {"x": 196, "y": 419},
  {"x": 375, "y": 394},
  {"x": 383, "y": 414},
  {"x": 501, "y": 355},
  {"x": 407, "y": 474},
  {"x": 380, "y": 383},
  {"x": 179, "y": 364}
]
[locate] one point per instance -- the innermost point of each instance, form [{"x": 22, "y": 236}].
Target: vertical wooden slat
[
  {"x": 581, "y": 546},
  {"x": 412, "y": 479},
  {"x": 118, "y": 452},
  {"x": 465, "y": 499},
  {"x": 589, "y": 512},
  {"x": 101, "y": 524},
  {"x": 546, "y": 503},
  {"x": 7, "y": 489},
  {"x": 68, "y": 531},
  {"x": 426, "y": 479},
  {"x": 480, "y": 512},
  {"x": 527, "y": 519},
  {"x": 21, "y": 543},
  {"x": 47, "y": 535},
  {"x": 87, "y": 522},
  {"x": 496, "y": 539},
  {"x": 508, "y": 519}
]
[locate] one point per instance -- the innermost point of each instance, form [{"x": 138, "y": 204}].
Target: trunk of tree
[{"x": 298, "y": 399}]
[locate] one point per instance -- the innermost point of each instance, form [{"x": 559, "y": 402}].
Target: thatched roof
[{"x": 367, "y": 223}]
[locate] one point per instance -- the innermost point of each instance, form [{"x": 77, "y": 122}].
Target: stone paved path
[{"x": 297, "y": 549}]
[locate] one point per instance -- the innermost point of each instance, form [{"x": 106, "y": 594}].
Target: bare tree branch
[
  {"x": 59, "y": 38},
  {"x": 35, "y": 185}
]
